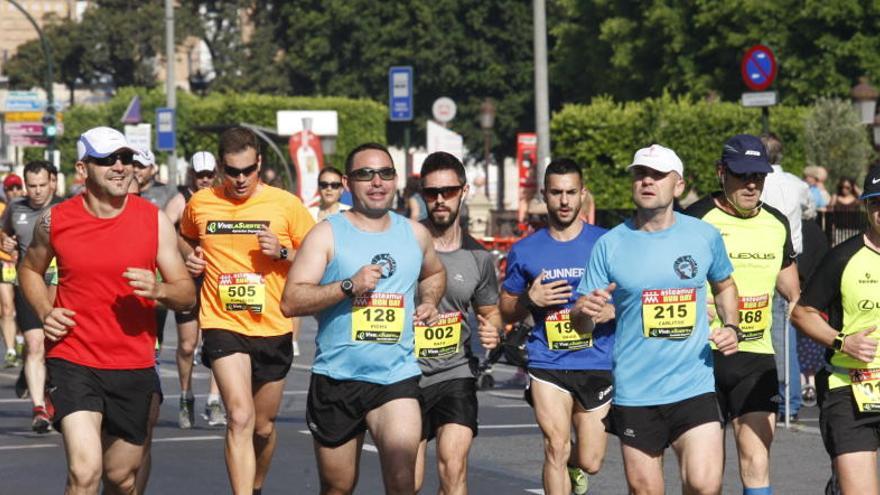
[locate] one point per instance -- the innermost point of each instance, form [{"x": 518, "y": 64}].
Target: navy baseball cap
[
  {"x": 745, "y": 154},
  {"x": 872, "y": 183}
]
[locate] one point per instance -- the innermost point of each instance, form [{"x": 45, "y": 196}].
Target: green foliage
[
  {"x": 604, "y": 135},
  {"x": 836, "y": 140},
  {"x": 359, "y": 120}
]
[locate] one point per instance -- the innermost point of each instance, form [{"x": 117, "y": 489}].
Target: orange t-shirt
[
  {"x": 4, "y": 256},
  {"x": 242, "y": 286}
]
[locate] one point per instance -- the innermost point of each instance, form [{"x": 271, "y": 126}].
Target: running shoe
[
  {"x": 295, "y": 349},
  {"x": 11, "y": 359},
  {"x": 186, "y": 416},
  {"x": 42, "y": 422},
  {"x": 214, "y": 414},
  {"x": 579, "y": 482},
  {"x": 809, "y": 396},
  {"x": 21, "y": 388}
]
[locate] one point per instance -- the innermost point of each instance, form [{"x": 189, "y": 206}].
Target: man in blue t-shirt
[
  {"x": 569, "y": 371},
  {"x": 655, "y": 268}
]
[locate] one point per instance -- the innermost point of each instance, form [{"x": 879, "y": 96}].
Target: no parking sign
[{"x": 758, "y": 68}]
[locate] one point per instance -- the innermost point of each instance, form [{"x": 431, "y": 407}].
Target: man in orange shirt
[{"x": 242, "y": 235}]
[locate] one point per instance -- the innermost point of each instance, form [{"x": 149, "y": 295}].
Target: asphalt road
[{"x": 506, "y": 456}]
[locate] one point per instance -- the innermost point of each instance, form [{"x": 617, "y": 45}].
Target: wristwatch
[
  {"x": 347, "y": 287},
  {"x": 282, "y": 255},
  {"x": 739, "y": 333},
  {"x": 837, "y": 345}
]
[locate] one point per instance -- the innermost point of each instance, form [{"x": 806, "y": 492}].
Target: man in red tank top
[{"x": 101, "y": 328}]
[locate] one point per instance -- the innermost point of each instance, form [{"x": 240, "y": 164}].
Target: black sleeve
[
  {"x": 788, "y": 254},
  {"x": 701, "y": 208},
  {"x": 823, "y": 289}
]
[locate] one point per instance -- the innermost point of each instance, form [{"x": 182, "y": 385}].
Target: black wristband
[
  {"x": 739, "y": 333},
  {"x": 527, "y": 301}
]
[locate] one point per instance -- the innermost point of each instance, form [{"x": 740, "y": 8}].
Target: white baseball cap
[
  {"x": 658, "y": 158},
  {"x": 145, "y": 157},
  {"x": 100, "y": 142},
  {"x": 203, "y": 161}
]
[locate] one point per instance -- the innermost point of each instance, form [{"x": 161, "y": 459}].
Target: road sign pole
[
  {"x": 406, "y": 144},
  {"x": 170, "y": 87},
  {"x": 765, "y": 119}
]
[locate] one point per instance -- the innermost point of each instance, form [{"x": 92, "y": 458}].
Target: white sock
[{"x": 213, "y": 398}]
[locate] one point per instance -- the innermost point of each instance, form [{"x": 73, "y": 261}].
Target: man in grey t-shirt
[
  {"x": 149, "y": 188},
  {"x": 448, "y": 385},
  {"x": 19, "y": 219}
]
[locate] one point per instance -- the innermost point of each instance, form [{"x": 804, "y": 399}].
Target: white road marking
[
  {"x": 28, "y": 447},
  {"x": 188, "y": 439},
  {"x": 508, "y": 427},
  {"x": 539, "y": 491}
]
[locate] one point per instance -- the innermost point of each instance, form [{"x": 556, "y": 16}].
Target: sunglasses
[
  {"x": 204, "y": 175},
  {"x": 237, "y": 172},
  {"x": 448, "y": 192},
  {"x": 367, "y": 174},
  {"x": 331, "y": 185},
  {"x": 750, "y": 177},
  {"x": 126, "y": 157}
]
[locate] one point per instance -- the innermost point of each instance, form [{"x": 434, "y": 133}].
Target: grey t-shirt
[
  {"x": 470, "y": 283},
  {"x": 19, "y": 219},
  {"x": 159, "y": 194}
]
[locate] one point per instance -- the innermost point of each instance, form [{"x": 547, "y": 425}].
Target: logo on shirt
[
  {"x": 235, "y": 227},
  {"x": 685, "y": 267},
  {"x": 558, "y": 273},
  {"x": 22, "y": 219},
  {"x": 867, "y": 279},
  {"x": 458, "y": 277},
  {"x": 868, "y": 305},
  {"x": 384, "y": 260},
  {"x": 752, "y": 256}
]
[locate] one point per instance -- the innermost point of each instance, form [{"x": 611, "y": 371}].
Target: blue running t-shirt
[
  {"x": 553, "y": 344},
  {"x": 661, "y": 350}
]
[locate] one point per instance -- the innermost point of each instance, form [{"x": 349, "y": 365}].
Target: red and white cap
[
  {"x": 99, "y": 142},
  {"x": 658, "y": 158}
]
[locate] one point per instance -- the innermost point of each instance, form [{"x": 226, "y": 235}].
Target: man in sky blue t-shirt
[
  {"x": 655, "y": 268},
  {"x": 569, "y": 371}
]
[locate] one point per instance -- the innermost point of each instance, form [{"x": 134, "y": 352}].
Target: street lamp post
[
  {"x": 864, "y": 98},
  {"x": 487, "y": 122}
]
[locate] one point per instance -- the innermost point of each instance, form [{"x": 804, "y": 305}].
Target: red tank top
[{"x": 115, "y": 329}]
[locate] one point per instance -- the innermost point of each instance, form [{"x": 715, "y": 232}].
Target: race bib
[
  {"x": 377, "y": 318},
  {"x": 753, "y": 316},
  {"x": 561, "y": 336},
  {"x": 669, "y": 313},
  {"x": 866, "y": 389},
  {"x": 441, "y": 339},
  {"x": 242, "y": 291},
  {"x": 9, "y": 272}
]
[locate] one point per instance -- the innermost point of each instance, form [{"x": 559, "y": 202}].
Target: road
[{"x": 506, "y": 456}]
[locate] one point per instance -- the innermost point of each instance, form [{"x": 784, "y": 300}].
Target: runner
[
  {"x": 358, "y": 272},
  {"x": 759, "y": 245},
  {"x": 149, "y": 188},
  {"x": 13, "y": 187},
  {"x": 448, "y": 384},
  {"x": 199, "y": 176},
  {"x": 569, "y": 372},
  {"x": 845, "y": 288},
  {"x": 241, "y": 236},
  {"x": 18, "y": 230},
  {"x": 655, "y": 267},
  {"x": 330, "y": 189},
  {"x": 101, "y": 329}
]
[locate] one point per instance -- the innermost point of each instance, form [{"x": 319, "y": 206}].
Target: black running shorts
[
  {"x": 590, "y": 388},
  {"x": 451, "y": 401},
  {"x": 653, "y": 428},
  {"x": 271, "y": 357},
  {"x": 336, "y": 410},
  {"x": 844, "y": 429},
  {"x": 746, "y": 382},
  {"x": 25, "y": 317},
  {"x": 121, "y": 396}
]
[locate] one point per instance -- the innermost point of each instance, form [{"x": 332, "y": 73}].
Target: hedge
[
  {"x": 604, "y": 135},
  {"x": 359, "y": 120}
]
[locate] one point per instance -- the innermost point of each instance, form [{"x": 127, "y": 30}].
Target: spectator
[
  {"x": 413, "y": 203},
  {"x": 816, "y": 176},
  {"x": 846, "y": 198}
]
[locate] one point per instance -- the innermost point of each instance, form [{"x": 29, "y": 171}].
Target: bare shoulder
[
  {"x": 45, "y": 221},
  {"x": 421, "y": 232}
]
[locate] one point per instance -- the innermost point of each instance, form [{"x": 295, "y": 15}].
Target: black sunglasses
[
  {"x": 204, "y": 175},
  {"x": 448, "y": 192},
  {"x": 126, "y": 157},
  {"x": 329, "y": 185},
  {"x": 749, "y": 177},
  {"x": 367, "y": 174},
  {"x": 235, "y": 172}
]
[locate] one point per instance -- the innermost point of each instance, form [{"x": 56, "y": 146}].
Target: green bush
[
  {"x": 359, "y": 120},
  {"x": 604, "y": 135}
]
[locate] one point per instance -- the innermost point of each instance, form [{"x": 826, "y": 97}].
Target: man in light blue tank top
[
  {"x": 656, "y": 268},
  {"x": 569, "y": 371},
  {"x": 358, "y": 272}
]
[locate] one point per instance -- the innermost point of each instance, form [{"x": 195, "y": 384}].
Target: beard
[
  {"x": 440, "y": 223},
  {"x": 559, "y": 222}
]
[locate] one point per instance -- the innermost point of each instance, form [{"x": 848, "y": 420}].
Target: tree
[{"x": 835, "y": 139}]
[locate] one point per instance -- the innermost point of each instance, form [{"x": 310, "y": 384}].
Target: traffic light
[{"x": 50, "y": 127}]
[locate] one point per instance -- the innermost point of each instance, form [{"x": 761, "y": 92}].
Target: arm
[
  {"x": 57, "y": 322},
  {"x": 593, "y": 309},
  {"x": 302, "y": 293},
  {"x": 432, "y": 278},
  {"x": 858, "y": 345},
  {"x": 539, "y": 295},
  {"x": 177, "y": 290},
  {"x": 788, "y": 284},
  {"x": 174, "y": 208},
  {"x": 490, "y": 326},
  {"x": 727, "y": 305}
]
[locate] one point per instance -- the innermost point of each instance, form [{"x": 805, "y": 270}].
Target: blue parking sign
[
  {"x": 166, "y": 129},
  {"x": 400, "y": 93}
]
